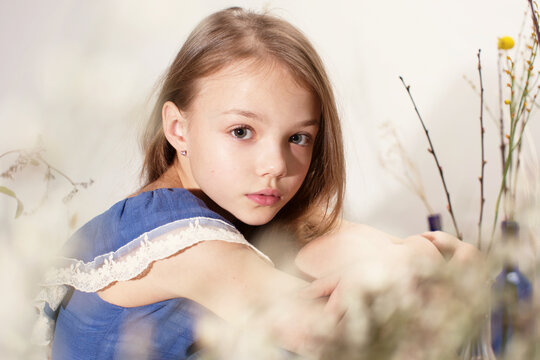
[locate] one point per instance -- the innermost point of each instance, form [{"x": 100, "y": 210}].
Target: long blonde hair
[{"x": 236, "y": 34}]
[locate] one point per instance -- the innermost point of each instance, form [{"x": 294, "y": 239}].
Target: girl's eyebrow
[
  {"x": 255, "y": 116},
  {"x": 244, "y": 113}
]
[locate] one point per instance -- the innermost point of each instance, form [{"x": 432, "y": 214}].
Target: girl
[{"x": 245, "y": 131}]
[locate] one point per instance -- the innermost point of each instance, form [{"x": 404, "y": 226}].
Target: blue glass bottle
[
  {"x": 513, "y": 297},
  {"x": 434, "y": 222}
]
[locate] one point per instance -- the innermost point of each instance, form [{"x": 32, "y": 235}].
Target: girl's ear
[{"x": 174, "y": 126}]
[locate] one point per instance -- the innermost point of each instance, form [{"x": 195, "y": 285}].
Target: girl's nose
[{"x": 272, "y": 162}]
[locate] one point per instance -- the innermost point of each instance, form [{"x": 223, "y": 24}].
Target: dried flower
[{"x": 505, "y": 43}]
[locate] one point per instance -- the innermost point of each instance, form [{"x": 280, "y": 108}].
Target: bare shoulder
[{"x": 359, "y": 242}]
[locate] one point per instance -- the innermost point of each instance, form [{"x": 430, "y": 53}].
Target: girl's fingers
[
  {"x": 321, "y": 287},
  {"x": 446, "y": 243},
  {"x": 334, "y": 306}
]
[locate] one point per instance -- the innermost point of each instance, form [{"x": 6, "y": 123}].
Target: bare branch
[
  {"x": 432, "y": 151},
  {"x": 482, "y": 132}
]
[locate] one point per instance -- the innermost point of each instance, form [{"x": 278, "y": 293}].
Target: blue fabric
[
  {"x": 132, "y": 217},
  {"x": 88, "y": 327}
]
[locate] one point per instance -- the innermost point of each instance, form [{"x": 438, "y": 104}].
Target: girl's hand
[{"x": 355, "y": 279}]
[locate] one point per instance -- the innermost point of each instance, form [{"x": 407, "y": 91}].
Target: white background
[{"x": 78, "y": 75}]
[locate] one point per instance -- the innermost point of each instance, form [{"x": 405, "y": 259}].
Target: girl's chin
[{"x": 255, "y": 219}]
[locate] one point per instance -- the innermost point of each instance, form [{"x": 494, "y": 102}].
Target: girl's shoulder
[
  {"x": 155, "y": 211},
  {"x": 123, "y": 242}
]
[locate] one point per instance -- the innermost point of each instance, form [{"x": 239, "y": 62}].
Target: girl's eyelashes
[
  {"x": 300, "y": 139},
  {"x": 242, "y": 132}
]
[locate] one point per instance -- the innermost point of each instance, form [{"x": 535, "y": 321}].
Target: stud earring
[{"x": 183, "y": 152}]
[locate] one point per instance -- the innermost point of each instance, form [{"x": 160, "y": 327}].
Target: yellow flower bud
[
  {"x": 505, "y": 43},
  {"x": 507, "y": 102}
]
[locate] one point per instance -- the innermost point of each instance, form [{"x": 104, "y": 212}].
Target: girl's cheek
[{"x": 302, "y": 156}]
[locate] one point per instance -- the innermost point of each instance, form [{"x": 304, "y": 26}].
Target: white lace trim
[{"x": 126, "y": 263}]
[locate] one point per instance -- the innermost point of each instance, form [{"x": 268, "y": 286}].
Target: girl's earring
[{"x": 183, "y": 152}]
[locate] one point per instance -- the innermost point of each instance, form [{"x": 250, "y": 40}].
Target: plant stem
[
  {"x": 432, "y": 151},
  {"x": 482, "y": 131},
  {"x": 502, "y": 146},
  {"x": 535, "y": 21},
  {"x": 487, "y": 109},
  {"x": 10, "y": 152},
  {"x": 507, "y": 174},
  {"x": 50, "y": 167}
]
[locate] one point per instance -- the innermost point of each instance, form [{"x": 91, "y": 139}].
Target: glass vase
[
  {"x": 513, "y": 296},
  {"x": 434, "y": 222}
]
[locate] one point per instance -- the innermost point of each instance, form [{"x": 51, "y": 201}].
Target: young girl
[{"x": 245, "y": 131}]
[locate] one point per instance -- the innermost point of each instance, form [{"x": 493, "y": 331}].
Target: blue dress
[{"x": 119, "y": 245}]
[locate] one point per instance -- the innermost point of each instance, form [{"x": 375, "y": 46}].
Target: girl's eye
[
  {"x": 242, "y": 133},
  {"x": 300, "y": 139}
]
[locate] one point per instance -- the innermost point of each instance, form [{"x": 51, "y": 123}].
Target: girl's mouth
[
  {"x": 265, "y": 197},
  {"x": 265, "y": 200}
]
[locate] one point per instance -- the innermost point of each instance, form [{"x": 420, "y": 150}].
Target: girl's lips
[{"x": 262, "y": 199}]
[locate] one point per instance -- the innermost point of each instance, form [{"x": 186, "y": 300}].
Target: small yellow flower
[
  {"x": 507, "y": 102},
  {"x": 505, "y": 43}
]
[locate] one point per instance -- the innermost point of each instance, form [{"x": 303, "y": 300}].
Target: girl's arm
[
  {"x": 352, "y": 242},
  {"x": 358, "y": 257},
  {"x": 230, "y": 280}
]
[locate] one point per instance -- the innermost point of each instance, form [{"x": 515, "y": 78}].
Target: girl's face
[{"x": 249, "y": 139}]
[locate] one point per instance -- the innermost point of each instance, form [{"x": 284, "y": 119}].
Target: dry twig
[
  {"x": 482, "y": 132},
  {"x": 432, "y": 151}
]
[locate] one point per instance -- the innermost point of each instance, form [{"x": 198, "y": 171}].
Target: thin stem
[
  {"x": 515, "y": 140},
  {"x": 515, "y": 105},
  {"x": 525, "y": 116},
  {"x": 50, "y": 167},
  {"x": 535, "y": 21},
  {"x": 10, "y": 152},
  {"x": 432, "y": 151},
  {"x": 36, "y": 156},
  {"x": 507, "y": 170},
  {"x": 486, "y": 107},
  {"x": 482, "y": 131},
  {"x": 499, "y": 196},
  {"x": 502, "y": 146}
]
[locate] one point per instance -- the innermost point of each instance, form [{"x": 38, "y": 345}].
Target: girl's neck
[{"x": 171, "y": 178}]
